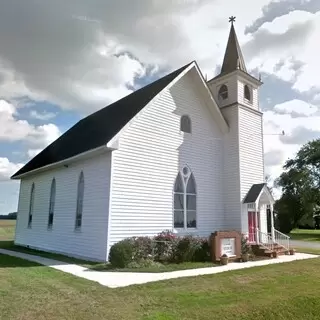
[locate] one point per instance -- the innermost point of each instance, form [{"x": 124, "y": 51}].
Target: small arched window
[
  {"x": 185, "y": 124},
  {"x": 31, "y": 205},
  {"x": 52, "y": 203},
  {"x": 223, "y": 92},
  {"x": 185, "y": 200},
  {"x": 247, "y": 93},
  {"x": 80, "y": 195}
]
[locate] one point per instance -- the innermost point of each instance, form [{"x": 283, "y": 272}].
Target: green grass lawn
[
  {"x": 305, "y": 235},
  {"x": 155, "y": 269},
  {"x": 98, "y": 266},
  {"x": 284, "y": 291},
  {"x": 7, "y": 229}
]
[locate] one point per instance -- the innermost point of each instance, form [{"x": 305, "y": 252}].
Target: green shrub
[
  {"x": 202, "y": 253},
  {"x": 143, "y": 248},
  {"x": 245, "y": 247},
  {"x": 144, "y": 263},
  {"x": 186, "y": 248},
  {"x": 165, "y": 246},
  {"x": 121, "y": 253}
]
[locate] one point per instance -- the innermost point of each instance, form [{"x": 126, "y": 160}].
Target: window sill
[
  {"x": 77, "y": 230},
  {"x": 49, "y": 228},
  {"x": 182, "y": 230},
  {"x": 247, "y": 101}
]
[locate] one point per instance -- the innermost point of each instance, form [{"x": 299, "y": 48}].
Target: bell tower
[
  {"x": 234, "y": 84},
  {"x": 236, "y": 93}
]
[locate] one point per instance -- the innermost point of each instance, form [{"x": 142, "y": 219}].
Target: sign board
[{"x": 228, "y": 246}]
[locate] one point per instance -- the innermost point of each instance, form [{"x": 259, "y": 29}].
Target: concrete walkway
[{"x": 123, "y": 279}]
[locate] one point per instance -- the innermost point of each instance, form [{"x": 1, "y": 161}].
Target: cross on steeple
[{"x": 232, "y": 19}]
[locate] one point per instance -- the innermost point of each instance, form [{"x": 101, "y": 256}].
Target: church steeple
[
  {"x": 234, "y": 85},
  {"x": 233, "y": 58}
]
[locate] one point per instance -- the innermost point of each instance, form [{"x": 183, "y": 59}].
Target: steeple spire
[{"x": 233, "y": 58}]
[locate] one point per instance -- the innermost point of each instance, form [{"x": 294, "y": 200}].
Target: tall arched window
[
  {"x": 31, "y": 205},
  {"x": 80, "y": 195},
  {"x": 52, "y": 202},
  {"x": 247, "y": 93},
  {"x": 223, "y": 92},
  {"x": 185, "y": 200},
  {"x": 185, "y": 124}
]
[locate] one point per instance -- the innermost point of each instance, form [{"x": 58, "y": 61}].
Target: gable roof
[
  {"x": 98, "y": 128},
  {"x": 254, "y": 192},
  {"x": 233, "y": 58}
]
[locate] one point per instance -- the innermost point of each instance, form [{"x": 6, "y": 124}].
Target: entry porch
[{"x": 258, "y": 207}]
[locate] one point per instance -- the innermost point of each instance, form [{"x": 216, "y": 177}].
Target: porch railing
[
  {"x": 265, "y": 240},
  {"x": 281, "y": 239}
]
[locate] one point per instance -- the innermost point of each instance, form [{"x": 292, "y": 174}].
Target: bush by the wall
[
  {"x": 165, "y": 246},
  {"x": 121, "y": 253},
  {"x": 245, "y": 247},
  {"x": 190, "y": 248},
  {"x": 143, "y": 248},
  {"x": 185, "y": 249},
  {"x": 203, "y": 252}
]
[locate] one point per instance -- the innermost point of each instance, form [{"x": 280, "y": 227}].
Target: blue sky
[{"x": 60, "y": 62}]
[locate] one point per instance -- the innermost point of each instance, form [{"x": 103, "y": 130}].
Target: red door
[{"x": 252, "y": 225}]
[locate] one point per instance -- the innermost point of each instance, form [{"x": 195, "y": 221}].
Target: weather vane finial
[{"x": 232, "y": 19}]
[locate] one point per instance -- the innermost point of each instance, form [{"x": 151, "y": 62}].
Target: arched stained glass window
[
  {"x": 31, "y": 206},
  {"x": 52, "y": 203},
  {"x": 80, "y": 195},
  {"x": 185, "y": 200}
]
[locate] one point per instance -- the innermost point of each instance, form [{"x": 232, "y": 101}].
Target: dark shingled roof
[
  {"x": 233, "y": 58},
  {"x": 253, "y": 193},
  {"x": 100, "y": 127}
]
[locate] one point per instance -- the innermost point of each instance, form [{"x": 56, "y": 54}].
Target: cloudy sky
[{"x": 61, "y": 60}]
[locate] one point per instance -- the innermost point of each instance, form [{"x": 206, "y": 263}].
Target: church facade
[{"x": 181, "y": 154}]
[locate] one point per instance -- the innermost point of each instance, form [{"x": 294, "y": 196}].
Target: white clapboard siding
[
  {"x": 91, "y": 241},
  {"x": 151, "y": 153},
  {"x": 251, "y": 149},
  {"x": 232, "y": 199},
  {"x": 251, "y": 157}
]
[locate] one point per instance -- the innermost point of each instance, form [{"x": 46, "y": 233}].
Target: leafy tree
[
  {"x": 300, "y": 183},
  {"x": 268, "y": 181}
]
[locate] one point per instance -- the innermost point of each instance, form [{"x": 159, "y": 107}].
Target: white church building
[{"x": 181, "y": 154}]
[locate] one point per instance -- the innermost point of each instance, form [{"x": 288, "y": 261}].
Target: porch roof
[{"x": 254, "y": 192}]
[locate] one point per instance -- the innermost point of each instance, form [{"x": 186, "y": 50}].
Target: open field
[
  {"x": 305, "y": 235},
  {"x": 282, "y": 291},
  {"x": 7, "y": 229}
]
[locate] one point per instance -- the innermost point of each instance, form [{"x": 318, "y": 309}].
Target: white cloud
[
  {"x": 8, "y": 168},
  {"x": 12, "y": 129},
  {"x": 290, "y": 40},
  {"x": 297, "y": 108},
  {"x": 33, "y": 152},
  {"x": 300, "y": 122},
  {"x": 77, "y": 56},
  {"x": 42, "y": 115}
]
